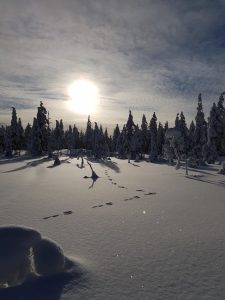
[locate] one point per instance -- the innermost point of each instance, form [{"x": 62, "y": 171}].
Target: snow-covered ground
[{"x": 142, "y": 231}]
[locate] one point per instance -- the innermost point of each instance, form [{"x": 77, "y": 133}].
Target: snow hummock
[{"x": 141, "y": 231}]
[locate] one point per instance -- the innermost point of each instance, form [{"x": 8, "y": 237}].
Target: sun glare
[{"x": 83, "y": 97}]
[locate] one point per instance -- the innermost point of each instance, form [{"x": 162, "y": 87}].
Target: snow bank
[{"x": 23, "y": 251}]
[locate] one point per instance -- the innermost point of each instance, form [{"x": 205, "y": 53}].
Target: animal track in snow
[
  {"x": 150, "y": 193},
  {"x": 66, "y": 212}
]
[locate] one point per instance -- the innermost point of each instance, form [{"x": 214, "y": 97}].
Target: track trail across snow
[{"x": 138, "y": 195}]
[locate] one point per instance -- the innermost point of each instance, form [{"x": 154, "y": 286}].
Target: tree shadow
[
  {"x": 61, "y": 162},
  {"x": 30, "y": 164},
  {"x": 107, "y": 163},
  {"x": 133, "y": 164},
  {"x": 14, "y": 159},
  {"x": 45, "y": 288},
  {"x": 219, "y": 183}
]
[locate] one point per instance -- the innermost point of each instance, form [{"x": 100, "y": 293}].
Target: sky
[{"x": 144, "y": 55}]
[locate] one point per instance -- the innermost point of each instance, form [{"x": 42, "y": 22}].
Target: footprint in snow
[
  {"x": 132, "y": 198},
  {"x": 139, "y": 191},
  {"x": 66, "y": 212},
  {"x": 150, "y": 193},
  {"x": 95, "y": 206},
  {"x": 54, "y": 216},
  {"x": 109, "y": 203}
]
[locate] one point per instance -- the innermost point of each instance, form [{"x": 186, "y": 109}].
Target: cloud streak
[{"x": 150, "y": 55}]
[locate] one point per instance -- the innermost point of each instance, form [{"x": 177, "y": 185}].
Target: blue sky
[{"x": 144, "y": 55}]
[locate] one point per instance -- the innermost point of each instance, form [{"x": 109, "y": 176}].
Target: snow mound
[{"x": 24, "y": 254}]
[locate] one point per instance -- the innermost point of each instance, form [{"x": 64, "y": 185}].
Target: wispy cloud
[{"x": 145, "y": 55}]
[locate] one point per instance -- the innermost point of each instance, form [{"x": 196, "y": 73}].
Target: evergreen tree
[
  {"x": 122, "y": 145},
  {"x": 78, "y": 139},
  {"x": 220, "y": 128},
  {"x": 184, "y": 133},
  {"x": 88, "y": 135},
  {"x": 42, "y": 122},
  {"x": 210, "y": 150},
  {"x": 177, "y": 122},
  {"x": 98, "y": 142},
  {"x": 200, "y": 133},
  {"x": 2, "y": 138},
  {"x": 153, "y": 156},
  {"x": 116, "y": 135},
  {"x": 28, "y": 137},
  {"x": 69, "y": 138},
  {"x": 130, "y": 127},
  {"x": 62, "y": 137},
  {"x": 136, "y": 143},
  {"x": 14, "y": 130},
  {"x": 191, "y": 136},
  {"x": 8, "y": 142},
  {"x": 36, "y": 147},
  {"x": 166, "y": 126},
  {"x": 160, "y": 139},
  {"x": 144, "y": 135},
  {"x": 21, "y": 139},
  {"x": 82, "y": 139},
  {"x": 57, "y": 135}
]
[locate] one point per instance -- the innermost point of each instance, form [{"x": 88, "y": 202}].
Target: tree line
[{"x": 201, "y": 141}]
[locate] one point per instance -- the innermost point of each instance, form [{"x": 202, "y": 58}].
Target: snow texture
[
  {"x": 144, "y": 231},
  {"x": 24, "y": 256}
]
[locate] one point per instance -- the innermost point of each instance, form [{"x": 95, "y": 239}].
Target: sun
[{"x": 83, "y": 97}]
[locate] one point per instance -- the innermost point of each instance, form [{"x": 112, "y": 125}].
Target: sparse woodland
[{"x": 202, "y": 141}]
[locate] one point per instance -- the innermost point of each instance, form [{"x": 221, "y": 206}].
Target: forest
[{"x": 202, "y": 141}]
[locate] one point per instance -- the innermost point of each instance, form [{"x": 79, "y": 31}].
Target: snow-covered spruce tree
[
  {"x": 166, "y": 126},
  {"x": 89, "y": 135},
  {"x": 144, "y": 135},
  {"x": 200, "y": 133},
  {"x": 69, "y": 138},
  {"x": 153, "y": 155},
  {"x": 50, "y": 139},
  {"x": 122, "y": 144},
  {"x": 2, "y": 138},
  {"x": 107, "y": 144},
  {"x": 210, "y": 153},
  {"x": 136, "y": 143},
  {"x": 110, "y": 145},
  {"x": 14, "y": 130},
  {"x": 177, "y": 122},
  {"x": 220, "y": 128},
  {"x": 76, "y": 143},
  {"x": 81, "y": 140},
  {"x": 130, "y": 127},
  {"x": 8, "y": 142},
  {"x": 160, "y": 139},
  {"x": 36, "y": 147},
  {"x": 184, "y": 133},
  {"x": 27, "y": 137},
  {"x": 42, "y": 122},
  {"x": 62, "y": 134},
  {"x": 21, "y": 138},
  {"x": 51, "y": 142},
  {"x": 57, "y": 136},
  {"x": 98, "y": 142},
  {"x": 191, "y": 136},
  {"x": 115, "y": 138}
]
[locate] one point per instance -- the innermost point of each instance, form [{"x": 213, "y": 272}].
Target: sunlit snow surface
[{"x": 143, "y": 231}]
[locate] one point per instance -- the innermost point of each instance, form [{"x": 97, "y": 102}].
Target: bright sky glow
[{"x": 83, "y": 97}]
